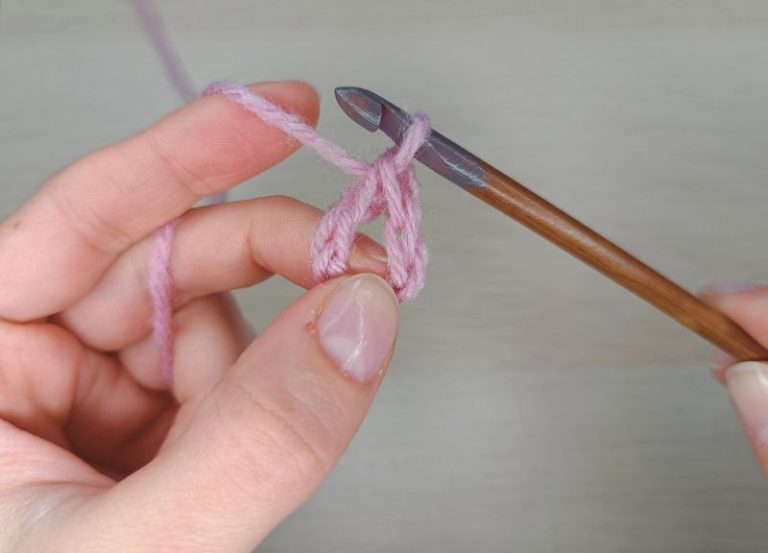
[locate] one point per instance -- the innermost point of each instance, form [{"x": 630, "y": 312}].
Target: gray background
[{"x": 532, "y": 405}]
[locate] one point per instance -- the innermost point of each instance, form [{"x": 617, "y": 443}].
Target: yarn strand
[
  {"x": 160, "y": 279},
  {"x": 169, "y": 57},
  {"x": 387, "y": 187}
]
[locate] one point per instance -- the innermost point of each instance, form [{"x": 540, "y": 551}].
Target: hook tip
[{"x": 361, "y": 105}]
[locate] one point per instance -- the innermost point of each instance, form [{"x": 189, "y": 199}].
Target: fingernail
[
  {"x": 730, "y": 288},
  {"x": 381, "y": 258},
  {"x": 722, "y": 360},
  {"x": 371, "y": 250},
  {"x": 358, "y": 326},
  {"x": 748, "y": 386}
]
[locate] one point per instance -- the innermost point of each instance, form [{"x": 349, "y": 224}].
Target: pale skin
[
  {"x": 747, "y": 382},
  {"x": 95, "y": 455}
]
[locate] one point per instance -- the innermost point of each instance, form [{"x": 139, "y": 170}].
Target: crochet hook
[{"x": 480, "y": 179}]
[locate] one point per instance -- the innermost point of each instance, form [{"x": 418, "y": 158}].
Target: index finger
[
  {"x": 57, "y": 245},
  {"x": 747, "y": 305},
  {"x": 748, "y": 381}
]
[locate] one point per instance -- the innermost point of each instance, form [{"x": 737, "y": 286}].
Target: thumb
[
  {"x": 747, "y": 306},
  {"x": 748, "y": 385},
  {"x": 269, "y": 433},
  {"x": 747, "y": 382}
]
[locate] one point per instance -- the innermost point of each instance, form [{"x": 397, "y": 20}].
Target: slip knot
[{"x": 388, "y": 187}]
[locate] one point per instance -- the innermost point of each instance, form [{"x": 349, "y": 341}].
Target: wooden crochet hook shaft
[{"x": 512, "y": 198}]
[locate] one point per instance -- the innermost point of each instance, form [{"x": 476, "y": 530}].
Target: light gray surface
[{"x": 532, "y": 405}]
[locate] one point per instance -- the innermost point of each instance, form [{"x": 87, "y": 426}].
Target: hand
[
  {"x": 747, "y": 382},
  {"x": 94, "y": 455}
]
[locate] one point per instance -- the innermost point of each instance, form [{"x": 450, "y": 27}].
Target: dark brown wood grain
[{"x": 547, "y": 220}]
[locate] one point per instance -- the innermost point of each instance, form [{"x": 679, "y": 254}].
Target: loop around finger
[{"x": 55, "y": 247}]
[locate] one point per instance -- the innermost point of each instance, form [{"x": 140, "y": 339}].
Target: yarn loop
[{"x": 387, "y": 187}]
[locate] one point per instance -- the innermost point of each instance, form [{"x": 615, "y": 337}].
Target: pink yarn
[
  {"x": 168, "y": 55},
  {"x": 387, "y": 186},
  {"x": 161, "y": 291}
]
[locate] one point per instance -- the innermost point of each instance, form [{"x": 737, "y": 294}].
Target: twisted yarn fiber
[{"x": 388, "y": 186}]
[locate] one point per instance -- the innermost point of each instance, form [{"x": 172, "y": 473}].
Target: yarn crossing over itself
[{"x": 387, "y": 187}]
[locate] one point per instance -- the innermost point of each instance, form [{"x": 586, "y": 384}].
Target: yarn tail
[
  {"x": 174, "y": 67},
  {"x": 161, "y": 291}
]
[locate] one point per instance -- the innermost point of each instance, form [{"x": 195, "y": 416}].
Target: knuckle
[
  {"x": 286, "y": 210},
  {"x": 280, "y": 434},
  {"x": 96, "y": 230},
  {"x": 183, "y": 175},
  {"x": 33, "y": 359},
  {"x": 283, "y": 201},
  {"x": 286, "y": 213}
]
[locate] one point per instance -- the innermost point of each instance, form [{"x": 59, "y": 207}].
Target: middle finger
[{"x": 216, "y": 249}]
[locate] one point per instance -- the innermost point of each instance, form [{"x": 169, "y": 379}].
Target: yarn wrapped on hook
[{"x": 388, "y": 187}]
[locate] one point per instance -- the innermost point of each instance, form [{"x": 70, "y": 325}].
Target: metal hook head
[
  {"x": 371, "y": 111},
  {"x": 362, "y": 106}
]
